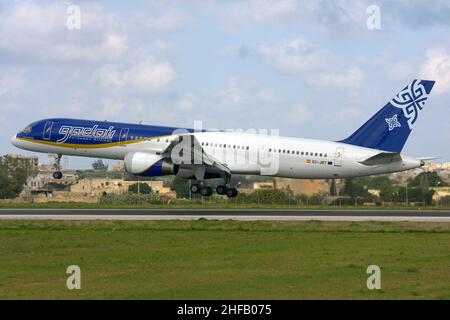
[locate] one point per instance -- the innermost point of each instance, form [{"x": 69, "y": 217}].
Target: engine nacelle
[{"x": 149, "y": 164}]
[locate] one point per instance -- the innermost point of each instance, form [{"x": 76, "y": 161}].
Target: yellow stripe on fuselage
[{"x": 89, "y": 146}]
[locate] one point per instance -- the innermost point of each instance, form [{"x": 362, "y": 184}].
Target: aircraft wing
[{"x": 200, "y": 160}]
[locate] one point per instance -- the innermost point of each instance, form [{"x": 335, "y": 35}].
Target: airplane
[{"x": 148, "y": 150}]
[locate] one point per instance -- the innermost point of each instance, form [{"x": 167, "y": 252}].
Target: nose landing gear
[{"x": 57, "y": 174}]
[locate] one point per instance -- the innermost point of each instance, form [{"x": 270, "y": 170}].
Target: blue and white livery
[{"x": 375, "y": 148}]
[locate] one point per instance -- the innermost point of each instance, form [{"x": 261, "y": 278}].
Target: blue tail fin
[{"x": 390, "y": 127}]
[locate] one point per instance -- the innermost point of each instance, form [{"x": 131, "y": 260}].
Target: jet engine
[{"x": 149, "y": 164}]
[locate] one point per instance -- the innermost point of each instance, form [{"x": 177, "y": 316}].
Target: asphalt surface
[{"x": 244, "y": 215}]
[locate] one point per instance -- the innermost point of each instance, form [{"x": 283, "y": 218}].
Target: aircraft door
[
  {"x": 124, "y": 134},
  {"x": 47, "y": 134},
  {"x": 338, "y": 157}
]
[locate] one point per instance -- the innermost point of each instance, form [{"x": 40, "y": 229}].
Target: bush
[
  {"x": 265, "y": 197},
  {"x": 130, "y": 199},
  {"x": 143, "y": 188}
]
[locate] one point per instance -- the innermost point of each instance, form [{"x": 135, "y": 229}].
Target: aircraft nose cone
[{"x": 13, "y": 139}]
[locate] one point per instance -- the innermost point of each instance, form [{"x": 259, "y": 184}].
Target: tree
[
  {"x": 434, "y": 180},
  {"x": 13, "y": 175},
  {"x": 181, "y": 187},
  {"x": 333, "y": 187},
  {"x": 143, "y": 188},
  {"x": 98, "y": 165}
]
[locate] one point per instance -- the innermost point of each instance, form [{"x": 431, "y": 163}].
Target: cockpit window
[{"x": 27, "y": 129}]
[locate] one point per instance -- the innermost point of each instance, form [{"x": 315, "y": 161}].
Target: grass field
[{"x": 224, "y": 260}]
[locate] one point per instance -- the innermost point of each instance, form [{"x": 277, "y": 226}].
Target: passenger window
[
  {"x": 320, "y": 154},
  {"x": 288, "y": 151},
  {"x": 307, "y": 153},
  {"x": 248, "y": 147},
  {"x": 316, "y": 154}
]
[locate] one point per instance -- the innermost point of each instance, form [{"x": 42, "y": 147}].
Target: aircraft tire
[
  {"x": 232, "y": 192},
  {"x": 195, "y": 188},
  {"x": 206, "y": 191},
  {"x": 221, "y": 189}
]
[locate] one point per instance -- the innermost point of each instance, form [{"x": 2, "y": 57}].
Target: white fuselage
[{"x": 252, "y": 154}]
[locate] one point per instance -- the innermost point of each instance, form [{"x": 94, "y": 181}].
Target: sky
[{"x": 312, "y": 68}]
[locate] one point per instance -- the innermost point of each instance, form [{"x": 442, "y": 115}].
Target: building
[{"x": 305, "y": 187}]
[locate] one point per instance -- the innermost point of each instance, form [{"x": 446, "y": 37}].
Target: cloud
[
  {"x": 437, "y": 67},
  {"x": 186, "y": 103},
  {"x": 32, "y": 32},
  {"x": 401, "y": 71},
  {"x": 299, "y": 114},
  {"x": 235, "y": 51},
  {"x": 329, "y": 16},
  {"x": 417, "y": 14},
  {"x": 262, "y": 11},
  {"x": 351, "y": 78},
  {"x": 233, "y": 94},
  {"x": 170, "y": 20},
  {"x": 294, "y": 56},
  {"x": 12, "y": 80},
  {"x": 148, "y": 76}
]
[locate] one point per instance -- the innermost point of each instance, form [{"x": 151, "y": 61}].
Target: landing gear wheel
[
  {"x": 206, "y": 191},
  {"x": 221, "y": 189},
  {"x": 195, "y": 188},
  {"x": 231, "y": 192},
  {"x": 57, "y": 174}
]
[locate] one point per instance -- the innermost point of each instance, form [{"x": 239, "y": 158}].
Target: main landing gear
[
  {"x": 207, "y": 191},
  {"x": 57, "y": 174}
]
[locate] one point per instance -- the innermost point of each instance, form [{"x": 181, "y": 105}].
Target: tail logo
[
  {"x": 393, "y": 122},
  {"x": 411, "y": 100}
]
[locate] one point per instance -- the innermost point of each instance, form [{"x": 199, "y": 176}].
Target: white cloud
[
  {"x": 233, "y": 94},
  {"x": 171, "y": 20},
  {"x": 260, "y": 11},
  {"x": 12, "y": 80},
  {"x": 110, "y": 108},
  {"x": 401, "y": 71},
  {"x": 148, "y": 76},
  {"x": 186, "y": 103},
  {"x": 299, "y": 114},
  {"x": 32, "y": 32},
  {"x": 294, "y": 56},
  {"x": 351, "y": 78},
  {"x": 437, "y": 67}
]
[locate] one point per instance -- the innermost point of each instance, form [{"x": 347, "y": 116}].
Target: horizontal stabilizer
[
  {"x": 427, "y": 158},
  {"x": 382, "y": 158}
]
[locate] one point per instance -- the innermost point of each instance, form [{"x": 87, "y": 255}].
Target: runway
[{"x": 240, "y": 215}]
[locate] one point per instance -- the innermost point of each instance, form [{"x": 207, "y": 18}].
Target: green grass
[{"x": 224, "y": 259}]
